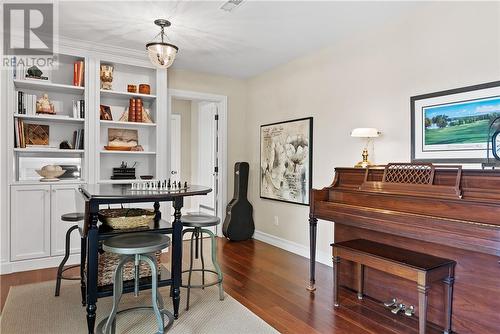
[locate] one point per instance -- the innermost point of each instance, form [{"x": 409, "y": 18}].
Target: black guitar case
[{"x": 238, "y": 224}]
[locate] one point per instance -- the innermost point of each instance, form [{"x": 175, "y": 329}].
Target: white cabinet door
[
  {"x": 63, "y": 200},
  {"x": 30, "y": 222}
]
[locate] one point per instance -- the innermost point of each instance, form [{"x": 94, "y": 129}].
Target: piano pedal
[
  {"x": 399, "y": 307},
  {"x": 391, "y": 303},
  {"x": 409, "y": 311}
]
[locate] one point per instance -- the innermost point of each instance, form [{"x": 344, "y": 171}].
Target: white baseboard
[
  {"x": 25, "y": 265},
  {"x": 293, "y": 247}
]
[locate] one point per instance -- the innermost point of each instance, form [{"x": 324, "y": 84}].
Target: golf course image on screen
[{"x": 460, "y": 122}]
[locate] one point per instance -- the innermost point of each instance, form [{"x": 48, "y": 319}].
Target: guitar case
[{"x": 239, "y": 224}]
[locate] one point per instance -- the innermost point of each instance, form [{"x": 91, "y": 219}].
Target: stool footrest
[
  {"x": 201, "y": 286},
  {"x": 170, "y": 317}
]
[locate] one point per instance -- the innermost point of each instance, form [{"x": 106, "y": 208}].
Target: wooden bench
[{"x": 420, "y": 268}]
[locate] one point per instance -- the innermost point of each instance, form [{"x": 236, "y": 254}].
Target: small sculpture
[
  {"x": 34, "y": 72},
  {"x": 44, "y": 106},
  {"x": 106, "y": 76}
]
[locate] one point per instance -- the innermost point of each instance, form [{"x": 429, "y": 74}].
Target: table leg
[
  {"x": 423, "y": 293},
  {"x": 92, "y": 264},
  {"x": 448, "y": 301},
  {"x": 336, "y": 277},
  {"x": 313, "y": 222},
  {"x": 177, "y": 255},
  {"x": 83, "y": 260},
  {"x": 156, "y": 206}
]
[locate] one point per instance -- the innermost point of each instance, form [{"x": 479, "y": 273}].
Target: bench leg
[
  {"x": 336, "y": 276},
  {"x": 360, "y": 268},
  {"x": 423, "y": 293},
  {"x": 448, "y": 303}
]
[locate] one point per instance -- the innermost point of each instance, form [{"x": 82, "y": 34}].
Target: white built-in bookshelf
[
  {"x": 64, "y": 125},
  {"x": 96, "y": 163},
  {"x": 117, "y": 99}
]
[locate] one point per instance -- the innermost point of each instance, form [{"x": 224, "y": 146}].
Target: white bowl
[{"x": 49, "y": 175}]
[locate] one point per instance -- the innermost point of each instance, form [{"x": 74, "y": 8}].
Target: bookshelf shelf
[
  {"x": 126, "y": 95},
  {"x": 128, "y": 152},
  {"x": 47, "y": 150},
  {"x": 32, "y": 84},
  {"x": 55, "y": 118},
  {"x": 126, "y": 124}
]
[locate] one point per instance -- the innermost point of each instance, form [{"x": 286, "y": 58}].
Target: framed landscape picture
[
  {"x": 286, "y": 160},
  {"x": 453, "y": 125}
]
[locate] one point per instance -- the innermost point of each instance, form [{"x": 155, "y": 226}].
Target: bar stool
[
  {"x": 137, "y": 247},
  {"x": 198, "y": 223},
  {"x": 68, "y": 217}
]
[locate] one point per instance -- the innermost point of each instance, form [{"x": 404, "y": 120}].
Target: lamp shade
[
  {"x": 365, "y": 132},
  {"x": 161, "y": 54}
]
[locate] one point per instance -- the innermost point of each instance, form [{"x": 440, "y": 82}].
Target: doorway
[{"x": 197, "y": 149}]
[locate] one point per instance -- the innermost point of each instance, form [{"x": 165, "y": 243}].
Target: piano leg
[{"x": 313, "y": 226}]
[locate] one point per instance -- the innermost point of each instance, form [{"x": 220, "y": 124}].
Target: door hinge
[{"x": 216, "y": 117}]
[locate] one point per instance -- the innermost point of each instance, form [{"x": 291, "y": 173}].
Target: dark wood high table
[
  {"x": 442, "y": 211},
  {"x": 95, "y": 195}
]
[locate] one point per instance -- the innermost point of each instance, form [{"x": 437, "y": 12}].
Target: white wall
[
  {"x": 236, "y": 93},
  {"x": 367, "y": 81}
]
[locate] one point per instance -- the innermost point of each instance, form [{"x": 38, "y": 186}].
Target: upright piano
[{"x": 444, "y": 211}]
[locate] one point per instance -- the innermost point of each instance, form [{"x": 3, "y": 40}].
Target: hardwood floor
[{"x": 271, "y": 282}]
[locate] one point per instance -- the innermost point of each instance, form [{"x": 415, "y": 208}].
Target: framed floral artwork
[{"x": 286, "y": 160}]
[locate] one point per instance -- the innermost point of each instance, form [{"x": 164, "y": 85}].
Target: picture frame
[
  {"x": 105, "y": 113},
  {"x": 452, "y": 126},
  {"x": 286, "y": 161}
]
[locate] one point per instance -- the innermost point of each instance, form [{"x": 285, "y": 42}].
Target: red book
[
  {"x": 80, "y": 73},
  {"x": 75, "y": 73}
]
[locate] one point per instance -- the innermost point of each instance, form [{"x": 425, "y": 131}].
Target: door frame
[{"x": 221, "y": 101}]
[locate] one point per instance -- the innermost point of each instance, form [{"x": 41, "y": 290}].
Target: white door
[
  {"x": 207, "y": 156},
  {"x": 175, "y": 148},
  {"x": 30, "y": 222},
  {"x": 63, "y": 200}
]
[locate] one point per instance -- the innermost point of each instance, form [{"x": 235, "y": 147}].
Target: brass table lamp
[{"x": 368, "y": 134}]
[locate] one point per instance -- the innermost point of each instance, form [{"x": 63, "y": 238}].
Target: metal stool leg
[
  {"x": 202, "y": 261},
  {"x": 154, "y": 289},
  {"x": 190, "y": 270},
  {"x": 65, "y": 259},
  {"x": 117, "y": 294},
  {"x": 214, "y": 261}
]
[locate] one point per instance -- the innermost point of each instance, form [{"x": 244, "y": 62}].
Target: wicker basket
[
  {"x": 109, "y": 261},
  {"x": 126, "y": 218}
]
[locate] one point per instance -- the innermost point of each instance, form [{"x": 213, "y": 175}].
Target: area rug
[{"x": 34, "y": 309}]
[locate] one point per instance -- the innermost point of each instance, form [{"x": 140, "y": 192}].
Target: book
[{"x": 78, "y": 73}]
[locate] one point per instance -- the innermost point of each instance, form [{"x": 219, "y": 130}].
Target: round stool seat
[
  {"x": 72, "y": 217},
  {"x": 136, "y": 243},
  {"x": 199, "y": 220}
]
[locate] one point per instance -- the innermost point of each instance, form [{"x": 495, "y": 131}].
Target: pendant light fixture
[{"x": 161, "y": 53}]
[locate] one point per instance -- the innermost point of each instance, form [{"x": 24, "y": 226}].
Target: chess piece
[
  {"x": 179, "y": 184},
  {"x": 168, "y": 184},
  {"x": 185, "y": 184},
  {"x": 159, "y": 184}
]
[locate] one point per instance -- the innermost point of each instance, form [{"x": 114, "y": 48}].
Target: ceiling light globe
[{"x": 161, "y": 54}]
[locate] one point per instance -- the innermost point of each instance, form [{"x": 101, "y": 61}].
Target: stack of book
[
  {"x": 78, "y": 73},
  {"x": 19, "y": 137},
  {"x": 78, "y": 108},
  {"x": 26, "y": 103},
  {"x": 78, "y": 139},
  {"x": 135, "y": 110}
]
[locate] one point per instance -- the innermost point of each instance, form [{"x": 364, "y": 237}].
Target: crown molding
[{"x": 103, "y": 51}]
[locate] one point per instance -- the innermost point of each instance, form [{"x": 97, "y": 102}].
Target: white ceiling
[{"x": 253, "y": 38}]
